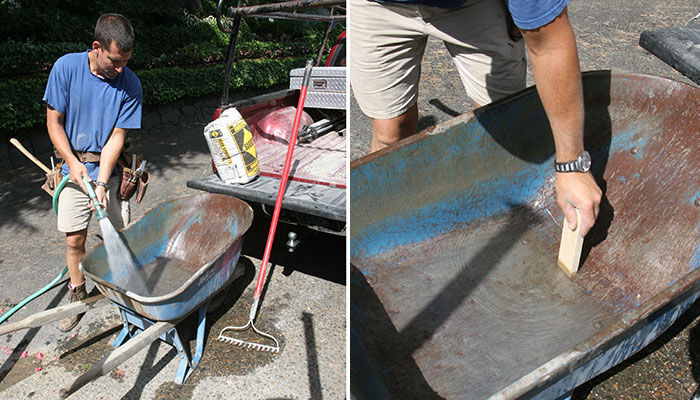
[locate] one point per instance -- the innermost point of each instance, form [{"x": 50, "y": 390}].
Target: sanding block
[{"x": 570, "y": 247}]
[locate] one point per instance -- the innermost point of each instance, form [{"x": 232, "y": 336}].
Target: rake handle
[{"x": 283, "y": 186}]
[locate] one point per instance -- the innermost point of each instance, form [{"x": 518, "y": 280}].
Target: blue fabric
[
  {"x": 533, "y": 14},
  {"x": 527, "y": 14},
  {"x": 92, "y": 106}
]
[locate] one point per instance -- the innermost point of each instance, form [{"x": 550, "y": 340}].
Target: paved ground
[
  {"x": 303, "y": 303},
  {"x": 607, "y": 35}
]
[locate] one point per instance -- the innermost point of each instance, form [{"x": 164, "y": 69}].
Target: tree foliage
[{"x": 178, "y": 52}]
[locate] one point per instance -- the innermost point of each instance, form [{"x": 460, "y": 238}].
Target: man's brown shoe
[{"x": 76, "y": 294}]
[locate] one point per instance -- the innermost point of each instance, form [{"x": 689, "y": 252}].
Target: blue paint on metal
[
  {"x": 695, "y": 260},
  {"x": 449, "y": 213},
  {"x": 232, "y": 227},
  {"x": 623, "y": 179},
  {"x": 468, "y": 144},
  {"x": 166, "y": 226},
  {"x": 629, "y": 139}
]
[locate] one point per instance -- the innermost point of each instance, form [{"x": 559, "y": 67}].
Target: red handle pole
[{"x": 283, "y": 182}]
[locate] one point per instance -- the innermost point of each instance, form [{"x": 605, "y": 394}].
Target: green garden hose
[
  {"x": 58, "y": 190},
  {"x": 58, "y": 278}
]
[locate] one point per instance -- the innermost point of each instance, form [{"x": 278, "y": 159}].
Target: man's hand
[
  {"x": 578, "y": 190},
  {"x": 100, "y": 193},
  {"x": 77, "y": 171}
]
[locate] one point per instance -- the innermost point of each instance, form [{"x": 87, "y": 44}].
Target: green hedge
[
  {"x": 22, "y": 106},
  {"x": 165, "y": 85},
  {"x": 25, "y": 59},
  {"x": 178, "y": 52}
]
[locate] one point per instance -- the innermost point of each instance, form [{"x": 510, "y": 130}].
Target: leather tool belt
[
  {"x": 88, "y": 156},
  {"x": 132, "y": 179}
]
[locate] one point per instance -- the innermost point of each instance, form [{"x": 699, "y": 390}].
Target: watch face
[{"x": 585, "y": 160}]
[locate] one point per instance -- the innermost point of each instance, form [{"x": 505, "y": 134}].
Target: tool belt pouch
[
  {"x": 53, "y": 178},
  {"x": 143, "y": 184},
  {"x": 130, "y": 182},
  {"x": 127, "y": 184}
]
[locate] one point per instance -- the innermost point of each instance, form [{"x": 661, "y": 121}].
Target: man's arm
[
  {"x": 57, "y": 133},
  {"x": 108, "y": 159},
  {"x": 552, "y": 51}
]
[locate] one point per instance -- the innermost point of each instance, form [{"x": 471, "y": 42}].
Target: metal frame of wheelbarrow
[
  {"x": 186, "y": 364},
  {"x": 137, "y": 332}
]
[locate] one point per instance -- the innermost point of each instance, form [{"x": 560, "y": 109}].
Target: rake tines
[{"x": 247, "y": 344}]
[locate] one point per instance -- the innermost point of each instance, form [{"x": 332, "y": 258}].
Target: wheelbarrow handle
[
  {"x": 54, "y": 314},
  {"x": 118, "y": 356}
]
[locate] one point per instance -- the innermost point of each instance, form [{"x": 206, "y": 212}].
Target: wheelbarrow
[
  {"x": 187, "y": 249},
  {"x": 455, "y": 289}
]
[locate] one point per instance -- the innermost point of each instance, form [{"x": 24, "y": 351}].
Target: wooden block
[{"x": 570, "y": 247}]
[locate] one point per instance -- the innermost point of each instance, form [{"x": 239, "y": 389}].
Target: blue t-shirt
[
  {"x": 92, "y": 106},
  {"x": 533, "y": 14},
  {"x": 527, "y": 14}
]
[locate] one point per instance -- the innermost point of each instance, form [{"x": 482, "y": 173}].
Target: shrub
[
  {"x": 22, "y": 106},
  {"x": 178, "y": 53}
]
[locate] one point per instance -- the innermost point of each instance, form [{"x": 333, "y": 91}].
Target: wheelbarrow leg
[
  {"x": 139, "y": 324},
  {"x": 186, "y": 366},
  {"x": 126, "y": 329}
]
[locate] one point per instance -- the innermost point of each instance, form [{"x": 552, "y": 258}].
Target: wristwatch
[
  {"x": 100, "y": 183},
  {"x": 582, "y": 163}
]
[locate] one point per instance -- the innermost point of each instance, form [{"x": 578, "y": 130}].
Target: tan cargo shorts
[
  {"x": 74, "y": 213},
  {"x": 387, "y": 40}
]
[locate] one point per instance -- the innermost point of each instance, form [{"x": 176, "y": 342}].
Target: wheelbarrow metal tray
[
  {"x": 188, "y": 250},
  {"x": 456, "y": 290}
]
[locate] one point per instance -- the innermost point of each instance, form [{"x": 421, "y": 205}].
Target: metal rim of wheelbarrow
[{"x": 163, "y": 298}]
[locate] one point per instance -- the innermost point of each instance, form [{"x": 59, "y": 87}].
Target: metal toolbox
[{"x": 326, "y": 87}]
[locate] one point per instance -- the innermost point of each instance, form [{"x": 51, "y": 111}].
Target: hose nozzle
[{"x": 99, "y": 211}]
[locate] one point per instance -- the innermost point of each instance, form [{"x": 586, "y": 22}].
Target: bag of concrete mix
[{"x": 232, "y": 148}]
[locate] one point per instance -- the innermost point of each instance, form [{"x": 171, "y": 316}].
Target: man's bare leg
[
  {"x": 388, "y": 131},
  {"x": 75, "y": 251}
]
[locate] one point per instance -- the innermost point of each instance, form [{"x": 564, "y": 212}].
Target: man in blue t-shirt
[
  {"x": 387, "y": 40},
  {"x": 92, "y": 100}
]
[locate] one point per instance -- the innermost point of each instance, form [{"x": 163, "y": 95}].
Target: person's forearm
[
  {"x": 110, "y": 154},
  {"x": 554, "y": 60}
]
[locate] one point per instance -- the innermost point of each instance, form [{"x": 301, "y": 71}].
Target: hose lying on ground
[{"x": 58, "y": 278}]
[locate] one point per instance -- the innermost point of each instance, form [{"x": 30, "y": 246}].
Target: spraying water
[{"x": 124, "y": 267}]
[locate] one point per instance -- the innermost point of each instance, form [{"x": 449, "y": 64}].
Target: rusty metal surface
[
  {"x": 187, "y": 248},
  {"x": 456, "y": 284}
]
